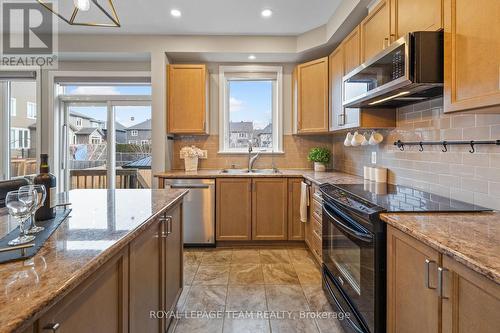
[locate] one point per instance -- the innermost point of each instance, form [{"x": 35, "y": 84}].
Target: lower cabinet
[
  {"x": 233, "y": 209},
  {"x": 269, "y": 209},
  {"x": 296, "y": 228},
  {"x": 145, "y": 276},
  {"x": 314, "y": 226},
  {"x": 431, "y": 292}
]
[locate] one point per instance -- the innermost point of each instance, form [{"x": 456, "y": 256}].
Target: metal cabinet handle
[
  {"x": 427, "y": 273},
  {"x": 52, "y": 327},
  {"x": 169, "y": 225},
  {"x": 441, "y": 271}
]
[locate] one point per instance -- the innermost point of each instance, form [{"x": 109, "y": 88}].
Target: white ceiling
[{"x": 212, "y": 17}]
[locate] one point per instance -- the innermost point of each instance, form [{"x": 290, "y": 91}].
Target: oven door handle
[
  {"x": 362, "y": 236},
  {"x": 339, "y": 306}
]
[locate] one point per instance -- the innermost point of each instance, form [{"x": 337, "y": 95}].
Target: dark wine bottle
[{"x": 48, "y": 210}]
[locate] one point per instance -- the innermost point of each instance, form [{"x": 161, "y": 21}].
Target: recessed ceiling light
[
  {"x": 175, "y": 13},
  {"x": 266, "y": 13},
  {"x": 251, "y": 57}
]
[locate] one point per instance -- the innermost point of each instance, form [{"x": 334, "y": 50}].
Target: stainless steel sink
[{"x": 246, "y": 171}]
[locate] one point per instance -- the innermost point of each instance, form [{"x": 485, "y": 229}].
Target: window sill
[{"x": 226, "y": 152}]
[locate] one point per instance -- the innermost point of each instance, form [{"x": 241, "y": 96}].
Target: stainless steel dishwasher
[{"x": 198, "y": 210}]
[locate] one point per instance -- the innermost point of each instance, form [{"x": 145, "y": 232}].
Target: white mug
[
  {"x": 357, "y": 139},
  {"x": 376, "y": 138},
  {"x": 348, "y": 139},
  {"x": 365, "y": 142}
]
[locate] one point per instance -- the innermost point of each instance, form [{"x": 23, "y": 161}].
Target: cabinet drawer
[
  {"x": 317, "y": 209},
  {"x": 316, "y": 247},
  {"x": 317, "y": 228}
]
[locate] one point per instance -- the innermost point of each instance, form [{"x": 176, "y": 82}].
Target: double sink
[{"x": 247, "y": 171}]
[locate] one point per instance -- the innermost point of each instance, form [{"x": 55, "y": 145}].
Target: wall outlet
[
  {"x": 205, "y": 154},
  {"x": 374, "y": 157}
]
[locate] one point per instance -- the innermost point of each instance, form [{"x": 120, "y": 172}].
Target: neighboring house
[
  {"x": 80, "y": 120},
  {"x": 120, "y": 131},
  {"x": 240, "y": 133},
  {"x": 264, "y": 137},
  {"x": 139, "y": 134},
  {"x": 89, "y": 135},
  {"x": 23, "y": 120}
]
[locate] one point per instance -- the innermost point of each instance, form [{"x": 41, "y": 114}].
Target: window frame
[
  {"x": 255, "y": 72},
  {"x": 13, "y": 107},
  {"x": 31, "y": 106},
  {"x": 134, "y": 133}
]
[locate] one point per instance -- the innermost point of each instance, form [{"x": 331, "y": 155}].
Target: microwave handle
[{"x": 362, "y": 236}]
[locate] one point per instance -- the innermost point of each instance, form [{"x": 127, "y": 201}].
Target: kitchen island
[{"x": 98, "y": 270}]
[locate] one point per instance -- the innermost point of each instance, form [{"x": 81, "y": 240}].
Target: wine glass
[
  {"x": 20, "y": 205},
  {"x": 40, "y": 199}
]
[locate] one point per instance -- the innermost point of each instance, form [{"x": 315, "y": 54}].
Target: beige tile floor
[{"x": 257, "y": 280}]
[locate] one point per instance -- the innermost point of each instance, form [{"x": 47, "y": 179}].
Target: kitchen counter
[
  {"x": 472, "y": 239},
  {"x": 334, "y": 177},
  {"x": 101, "y": 223}
]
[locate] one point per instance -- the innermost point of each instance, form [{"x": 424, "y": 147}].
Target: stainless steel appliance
[
  {"x": 408, "y": 71},
  {"x": 198, "y": 210},
  {"x": 354, "y": 246}
]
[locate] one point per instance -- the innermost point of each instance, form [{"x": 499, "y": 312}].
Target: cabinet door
[
  {"x": 173, "y": 258},
  {"x": 145, "y": 279},
  {"x": 410, "y": 15},
  {"x": 375, "y": 31},
  {"x": 352, "y": 50},
  {"x": 296, "y": 228},
  {"x": 312, "y": 96},
  {"x": 99, "y": 304},
  {"x": 471, "y": 54},
  {"x": 336, "y": 65},
  {"x": 187, "y": 99},
  {"x": 471, "y": 302},
  {"x": 412, "y": 299},
  {"x": 269, "y": 209},
  {"x": 234, "y": 209}
]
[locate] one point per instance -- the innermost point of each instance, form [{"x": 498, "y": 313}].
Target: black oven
[{"x": 354, "y": 266}]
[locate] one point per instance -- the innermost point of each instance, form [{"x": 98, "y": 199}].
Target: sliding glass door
[{"x": 106, "y": 142}]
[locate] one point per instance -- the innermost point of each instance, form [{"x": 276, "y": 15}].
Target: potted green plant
[{"x": 320, "y": 157}]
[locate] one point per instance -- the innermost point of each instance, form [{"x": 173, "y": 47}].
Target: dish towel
[{"x": 304, "y": 201}]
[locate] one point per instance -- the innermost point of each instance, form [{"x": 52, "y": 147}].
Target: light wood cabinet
[
  {"x": 312, "y": 97},
  {"x": 431, "y": 292},
  {"x": 314, "y": 232},
  {"x": 100, "y": 304},
  {"x": 269, "y": 209},
  {"x": 470, "y": 302},
  {"x": 145, "y": 279},
  {"x": 412, "y": 301},
  {"x": 187, "y": 93},
  {"x": 233, "y": 209},
  {"x": 375, "y": 31},
  {"x": 352, "y": 50},
  {"x": 410, "y": 15},
  {"x": 296, "y": 228},
  {"x": 471, "y": 55},
  {"x": 336, "y": 73}
]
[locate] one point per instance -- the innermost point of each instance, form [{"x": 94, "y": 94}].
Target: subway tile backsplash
[{"x": 457, "y": 173}]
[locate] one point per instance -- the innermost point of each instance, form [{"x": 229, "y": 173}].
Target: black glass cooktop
[{"x": 394, "y": 198}]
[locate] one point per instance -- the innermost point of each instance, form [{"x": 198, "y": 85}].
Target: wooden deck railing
[{"x": 97, "y": 178}]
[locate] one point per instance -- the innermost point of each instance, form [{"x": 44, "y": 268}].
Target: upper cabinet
[
  {"x": 375, "y": 31},
  {"x": 352, "y": 50},
  {"x": 187, "y": 91},
  {"x": 312, "y": 97},
  {"x": 471, "y": 54},
  {"x": 410, "y": 15}
]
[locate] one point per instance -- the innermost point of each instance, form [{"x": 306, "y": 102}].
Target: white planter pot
[
  {"x": 191, "y": 163},
  {"x": 319, "y": 167}
]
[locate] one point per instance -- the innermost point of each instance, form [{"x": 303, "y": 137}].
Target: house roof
[
  {"x": 145, "y": 125},
  {"x": 88, "y": 131},
  {"x": 84, "y": 116},
  {"x": 242, "y": 126},
  {"x": 143, "y": 163},
  {"x": 266, "y": 130}
]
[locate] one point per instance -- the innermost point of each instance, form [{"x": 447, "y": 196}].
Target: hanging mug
[
  {"x": 348, "y": 139},
  {"x": 376, "y": 138},
  {"x": 357, "y": 139}
]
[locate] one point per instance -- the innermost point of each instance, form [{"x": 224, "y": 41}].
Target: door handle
[
  {"x": 441, "y": 271},
  {"x": 427, "y": 273},
  {"x": 169, "y": 225}
]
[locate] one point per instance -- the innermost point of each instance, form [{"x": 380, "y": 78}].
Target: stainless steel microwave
[{"x": 408, "y": 71}]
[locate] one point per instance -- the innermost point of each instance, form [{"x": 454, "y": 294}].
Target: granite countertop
[
  {"x": 101, "y": 223},
  {"x": 334, "y": 177},
  {"x": 472, "y": 239}
]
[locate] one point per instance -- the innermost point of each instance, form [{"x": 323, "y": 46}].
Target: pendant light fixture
[{"x": 84, "y": 6}]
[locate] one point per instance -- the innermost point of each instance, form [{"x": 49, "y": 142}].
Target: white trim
[
  {"x": 13, "y": 107},
  {"x": 277, "y": 106},
  {"x": 33, "y": 105}
]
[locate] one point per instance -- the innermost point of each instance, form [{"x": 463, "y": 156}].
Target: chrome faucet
[{"x": 251, "y": 158}]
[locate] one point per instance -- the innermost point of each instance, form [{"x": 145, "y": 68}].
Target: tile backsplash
[
  {"x": 295, "y": 157},
  {"x": 457, "y": 173}
]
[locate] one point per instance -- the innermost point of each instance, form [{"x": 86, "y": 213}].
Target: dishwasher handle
[{"x": 189, "y": 186}]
